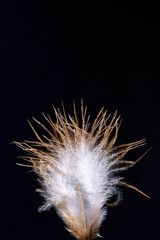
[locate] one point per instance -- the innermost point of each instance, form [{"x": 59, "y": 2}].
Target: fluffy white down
[{"x": 79, "y": 168}]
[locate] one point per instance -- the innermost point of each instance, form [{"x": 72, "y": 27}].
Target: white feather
[{"x": 77, "y": 171}]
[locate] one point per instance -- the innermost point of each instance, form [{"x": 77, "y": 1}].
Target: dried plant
[{"x": 77, "y": 167}]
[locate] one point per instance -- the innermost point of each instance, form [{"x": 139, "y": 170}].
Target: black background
[{"x": 107, "y": 53}]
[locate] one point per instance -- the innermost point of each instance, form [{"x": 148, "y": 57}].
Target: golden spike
[
  {"x": 23, "y": 165},
  {"x": 35, "y": 131},
  {"x": 75, "y": 113},
  {"x": 133, "y": 187},
  {"x": 142, "y": 155}
]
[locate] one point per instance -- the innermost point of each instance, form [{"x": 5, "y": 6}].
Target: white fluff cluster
[
  {"x": 76, "y": 167},
  {"x": 83, "y": 172}
]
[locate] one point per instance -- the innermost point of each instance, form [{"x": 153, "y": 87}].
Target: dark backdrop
[{"x": 109, "y": 55}]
